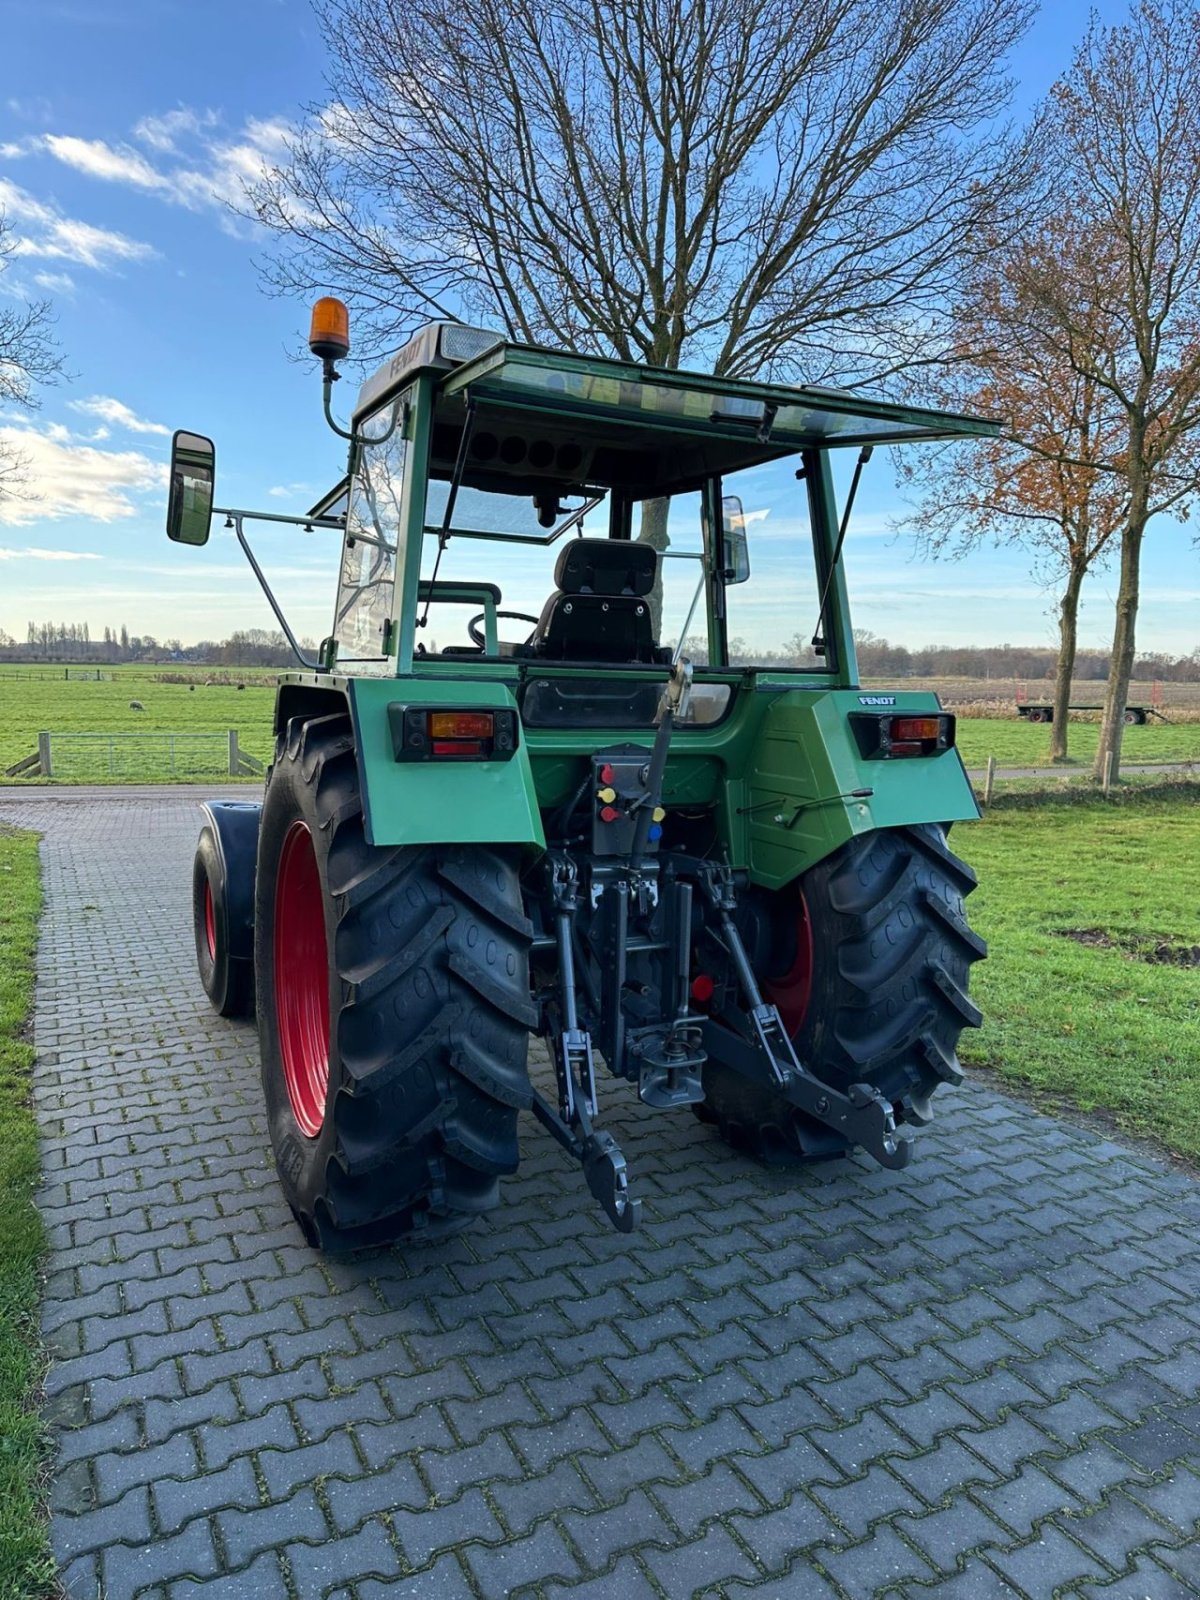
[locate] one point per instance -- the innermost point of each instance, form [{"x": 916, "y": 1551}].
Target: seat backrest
[{"x": 599, "y": 611}]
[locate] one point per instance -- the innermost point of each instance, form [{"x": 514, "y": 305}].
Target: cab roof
[{"x": 538, "y": 415}]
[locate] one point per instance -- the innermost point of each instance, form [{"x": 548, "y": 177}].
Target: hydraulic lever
[{"x": 572, "y": 1125}]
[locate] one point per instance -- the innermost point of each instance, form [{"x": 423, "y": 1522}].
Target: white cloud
[
  {"x": 65, "y": 477},
  {"x": 55, "y": 282},
  {"x": 43, "y": 232},
  {"x": 33, "y": 553},
  {"x": 163, "y": 133},
  {"x": 289, "y": 491},
  {"x": 112, "y": 163},
  {"x": 191, "y": 163},
  {"x": 116, "y": 412}
]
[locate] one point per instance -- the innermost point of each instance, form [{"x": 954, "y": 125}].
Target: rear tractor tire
[
  {"x": 394, "y": 1009},
  {"x": 868, "y": 959},
  {"x": 228, "y": 982}
]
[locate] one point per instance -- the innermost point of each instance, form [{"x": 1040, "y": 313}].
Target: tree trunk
[
  {"x": 1068, "y": 617},
  {"x": 653, "y": 531},
  {"x": 1112, "y": 726}
]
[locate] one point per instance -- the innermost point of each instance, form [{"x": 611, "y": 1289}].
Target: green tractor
[{"x": 584, "y": 758}]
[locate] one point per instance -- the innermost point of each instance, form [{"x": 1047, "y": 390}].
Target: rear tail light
[
  {"x": 893, "y": 737},
  {"x": 432, "y": 733}
]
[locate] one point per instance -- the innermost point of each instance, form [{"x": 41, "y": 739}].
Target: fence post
[
  {"x": 989, "y": 781},
  {"x": 234, "y": 762},
  {"x": 44, "y": 755},
  {"x": 1110, "y": 766}
]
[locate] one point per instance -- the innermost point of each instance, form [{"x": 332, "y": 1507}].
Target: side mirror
[
  {"x": 737, "y": 548},
  {"x": 193, "y": 482}
]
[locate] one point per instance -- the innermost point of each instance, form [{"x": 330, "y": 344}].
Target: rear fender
[
  {"x": 234, "y": 826},
  {"x": 799, "y": 801},
  {"x": 433, "y": 802}
]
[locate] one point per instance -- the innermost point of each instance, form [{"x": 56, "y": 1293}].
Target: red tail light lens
[
  {"x": 890, "y": 737},
  {"x": 433, "y": 733},
  {"x": 915, "y": 728}
]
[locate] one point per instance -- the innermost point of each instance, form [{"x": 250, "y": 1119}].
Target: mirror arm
[{"x": 236, "y": 518}]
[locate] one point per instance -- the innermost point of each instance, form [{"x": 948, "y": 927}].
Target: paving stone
[
  {"x": 1047, "y": 1563},
  {"x": 1113, "y": 1529},
  {"x": 775, "y": 1537},
  {"x": 352, "y": 1499},
  {"x": 1011, "y": 1325},
  {"x": 626, "y": 1580},
  {"x": 129, "y": 1569},
  {"x": 945, "y": 1537},
  {"x": 878, "y": 1563},
  {"x": 705, "y": 1564},
  {"x": 263, "y": 1579},
  {"x": 245, "y": 1532},
  {"x": 315, "y": 1568},
  {"x": 503, "y": 1569},
  {"x": 1147, "y": 1581},
  {"x": 1026, "y": 1499},
  {"x": 177, "y": 1501},
  {"x": 423, "y": 1533},
  {"x": 856, "y": 1506}
]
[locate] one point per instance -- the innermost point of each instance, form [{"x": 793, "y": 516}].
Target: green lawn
[
  {"x": 33, "y": 699},
  {"x": 30, "y": 705},
  {"x": 26, "y": 1568},
  {"x": 1098, "y": 1026},
  {"x": 1021, "y": 744}
]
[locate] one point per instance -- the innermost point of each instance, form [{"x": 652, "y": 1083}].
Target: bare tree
[
  {"x": 1121, "y": 144},
  {"x": 28, "y": 357},
  {"x": 1048, "y": 485},
  {"x": 706, "y": 182}
]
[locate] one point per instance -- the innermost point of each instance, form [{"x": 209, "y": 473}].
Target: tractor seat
[{"x": 599, "y": 611}]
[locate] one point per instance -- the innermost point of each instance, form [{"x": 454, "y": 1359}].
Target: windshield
[
  {"x": 496, "y": 539},
  {"x": 492, "y": 567}
]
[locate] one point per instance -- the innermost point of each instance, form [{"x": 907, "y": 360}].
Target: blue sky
[{"x": 125, "y": 126}]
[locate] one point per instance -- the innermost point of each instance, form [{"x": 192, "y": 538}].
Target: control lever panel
[{"x": 619, "y": 791}]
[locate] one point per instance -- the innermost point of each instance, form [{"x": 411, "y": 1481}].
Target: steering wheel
[{"x": 478, "y": 638}]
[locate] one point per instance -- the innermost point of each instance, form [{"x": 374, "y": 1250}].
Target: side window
[
  {"x": 771, "y": 617},
  {"x": 367, "y": 576}
]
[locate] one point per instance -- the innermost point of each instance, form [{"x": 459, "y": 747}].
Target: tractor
[{"x": 585, "y": 759}]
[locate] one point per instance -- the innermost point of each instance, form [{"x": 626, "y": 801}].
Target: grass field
[
  {"x": 25, "y": 1565},
  {"x": 1021, "y": 744},
  {"x": 36, "y": 698},
  {"x": 1092, "y": 913},
  {"x": 29, "y": 705},
  {"x": 1002, "y": 693}
]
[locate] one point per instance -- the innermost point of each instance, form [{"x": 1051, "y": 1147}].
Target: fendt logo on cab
[{"x": 877, "y": 699}]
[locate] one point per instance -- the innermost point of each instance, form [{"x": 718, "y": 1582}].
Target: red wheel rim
[
  {"x": 792, "y": 991},
  {"x": 302, "y": 979},
  {"x": 210, "y": 920}
]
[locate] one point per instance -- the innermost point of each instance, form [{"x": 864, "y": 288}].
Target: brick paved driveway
[{"x": 975, "y": 1378}]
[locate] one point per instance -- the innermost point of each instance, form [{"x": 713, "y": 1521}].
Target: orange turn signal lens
[
  {"x": 329, "y": 331},
  {"x": 905, "y": 728},
  {"x": 461, "y": 724}
]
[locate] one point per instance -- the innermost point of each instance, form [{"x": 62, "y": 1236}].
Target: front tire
[
  {"x": 868, "y": 959},
  {"x": 394, "y": 1009}
]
